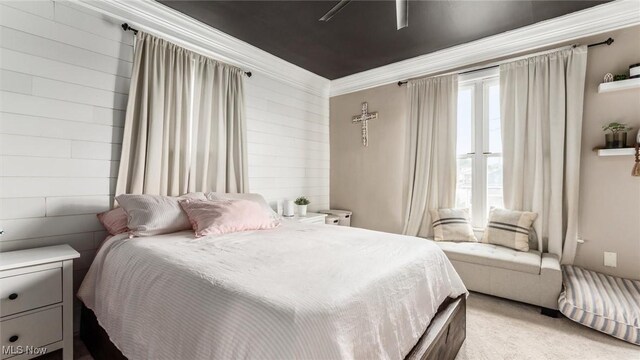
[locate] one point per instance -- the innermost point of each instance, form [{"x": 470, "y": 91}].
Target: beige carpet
[{"x": 503, "y": 329}]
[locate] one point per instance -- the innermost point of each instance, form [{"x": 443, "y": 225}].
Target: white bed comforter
[{"x": 300, "y": 291}]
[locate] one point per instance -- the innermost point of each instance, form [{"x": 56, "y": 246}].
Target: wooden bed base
[
  {"x": 441, "y": 341},
  {"x": 445, "y": 334}
]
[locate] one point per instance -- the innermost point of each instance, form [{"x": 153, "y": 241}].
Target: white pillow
[
  {"x": 155, "y": 214},
  {"x": 249, "y": 196}
]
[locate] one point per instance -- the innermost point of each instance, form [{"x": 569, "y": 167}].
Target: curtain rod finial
[
  {"x": 126, "y": 27},
  {"x": 609, "y": 41},
  {"x": 248, "y": 73}
]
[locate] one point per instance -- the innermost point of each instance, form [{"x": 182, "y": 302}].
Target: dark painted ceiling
[{"x": 363, "y": 35}]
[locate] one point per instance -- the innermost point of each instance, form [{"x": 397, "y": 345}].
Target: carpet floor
[{"x": 503, "y": 329}]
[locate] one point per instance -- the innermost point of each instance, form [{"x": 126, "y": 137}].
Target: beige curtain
[
  {"x": 541, "y": 110},
  {"x": 432, "y": 150},
  {"x": 184, "y": 126},
  {"x": 219, "y": 152}
]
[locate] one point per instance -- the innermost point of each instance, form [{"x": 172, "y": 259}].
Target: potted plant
[
  {"x": 302, "y": 203},
  {"x": 617, "y": 137}
]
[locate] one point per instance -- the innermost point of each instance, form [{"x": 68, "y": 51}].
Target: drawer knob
[
  {"x": 13, "y": 296},
  {"x": 14, "y": 338}
]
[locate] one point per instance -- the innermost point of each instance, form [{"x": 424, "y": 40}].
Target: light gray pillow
[
  {"x": 247, "y": 196},
  {"x": 509, "y": 228},
  {"x": 452, "y": 225},
  {"x": 155, "y": 214}
]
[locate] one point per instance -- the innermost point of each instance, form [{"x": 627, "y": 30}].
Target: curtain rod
[
  {"x": 607, "y": 42},
  {"x": 126, "y": 27}
]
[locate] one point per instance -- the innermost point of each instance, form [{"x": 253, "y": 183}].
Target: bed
[{"x": 298, "y": 291}]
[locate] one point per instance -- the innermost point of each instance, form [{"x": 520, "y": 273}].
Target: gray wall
[
  {"x": 609, "y": 195},
  {"x": 370, "y": 181}
]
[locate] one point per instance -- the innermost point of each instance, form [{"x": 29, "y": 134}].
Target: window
[{"x": 479, "y": 146}]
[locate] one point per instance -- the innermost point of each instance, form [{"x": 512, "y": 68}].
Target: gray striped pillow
[
  {"x": 509, "y": 228},
  {"x": 452, "y": 225},
  {"x": 603, "y": 302}
]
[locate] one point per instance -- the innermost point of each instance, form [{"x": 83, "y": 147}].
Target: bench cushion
[
  {"x": 602, "y": 302},
  {"x": 493, "y": 255}
]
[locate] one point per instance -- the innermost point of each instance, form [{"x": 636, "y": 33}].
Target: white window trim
[{"x": 479, "y": 81}]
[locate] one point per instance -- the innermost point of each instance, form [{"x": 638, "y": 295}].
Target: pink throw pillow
[
  {"x": 114, "y": 220},
  {"x": 217, "y": 217}
]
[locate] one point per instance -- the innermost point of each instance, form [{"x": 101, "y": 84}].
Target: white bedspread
[{"x": 300, "y": 291}]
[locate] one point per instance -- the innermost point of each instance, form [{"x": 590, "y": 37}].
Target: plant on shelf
[
  {"x": 617, "y": 135},
  {"x": 302, "y": 203}
]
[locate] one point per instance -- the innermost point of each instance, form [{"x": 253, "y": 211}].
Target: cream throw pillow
[
  {"x": 509, "y": 228},
  {"x": 156, "y": 214},
  {"x": 452, "y": 225}
]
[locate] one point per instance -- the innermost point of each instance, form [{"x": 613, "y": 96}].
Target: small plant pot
[
  {"x": 302, "y": 210},
  {"x": 620, "y": 140},
  {"x": 608, "y": 141}
]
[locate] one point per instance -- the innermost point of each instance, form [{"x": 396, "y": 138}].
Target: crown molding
[
  {"x": 592, "y": 21},
  {"x": 158, "y": 19}
]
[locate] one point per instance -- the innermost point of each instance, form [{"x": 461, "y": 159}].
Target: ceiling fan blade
[
  {"x": 334, "y": 10},
  {"x": 402, "y": 13}
]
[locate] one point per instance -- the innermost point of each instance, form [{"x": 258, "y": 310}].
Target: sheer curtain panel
[
  {"x": 432, "y": 150},
  {"x": 541, "y": 110}
]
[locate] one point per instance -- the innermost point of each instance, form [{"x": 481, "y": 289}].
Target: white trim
[
  {"x": 595, "y": 20},
  {"x": 480, "y": 154},
  {"x": 151, "y": 16},
  {"x": 471, "y": 77},
  {"x": 158, "y": 19}
]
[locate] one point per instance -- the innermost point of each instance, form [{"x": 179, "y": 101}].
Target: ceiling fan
[{"x": 402, "y": 12}]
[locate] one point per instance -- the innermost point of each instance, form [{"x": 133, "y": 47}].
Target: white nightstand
[
  {"x": 36, "y": 308},
  {"x": 310, "y": 218}
]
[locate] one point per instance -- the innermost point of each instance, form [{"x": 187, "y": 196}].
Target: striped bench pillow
[
  {"x": 452, "y": 225},
  {"x": 509, "y": 228}
]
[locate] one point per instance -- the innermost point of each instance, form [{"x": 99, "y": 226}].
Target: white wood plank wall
[
  {"x": 64, "y": 79},
  {"x": 288, "y": 142}
]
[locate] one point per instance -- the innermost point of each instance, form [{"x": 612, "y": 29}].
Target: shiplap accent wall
[
  {"x": 64, "y": 79},
  {"x": 288, "y": 142}
]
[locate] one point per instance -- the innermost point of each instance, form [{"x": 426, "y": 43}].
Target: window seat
[{"x": 531, "y": 277}]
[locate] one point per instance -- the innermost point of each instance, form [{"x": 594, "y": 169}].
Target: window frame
[{"x": 479, "y": 82}]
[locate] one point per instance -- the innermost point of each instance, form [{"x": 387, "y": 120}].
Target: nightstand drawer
[
  {"x": 29, "y": 291},
  {"x": 36, "y": 329}
]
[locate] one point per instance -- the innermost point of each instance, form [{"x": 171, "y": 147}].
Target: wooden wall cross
[{"x": 364, "y": 118}]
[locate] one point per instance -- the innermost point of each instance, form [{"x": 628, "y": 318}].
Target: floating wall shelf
[
  {"x": 615, "y": 152},
  {"x": 619, "y": 85}
]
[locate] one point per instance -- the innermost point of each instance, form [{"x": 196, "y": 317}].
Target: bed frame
[{"x": 441, "y": 341}]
